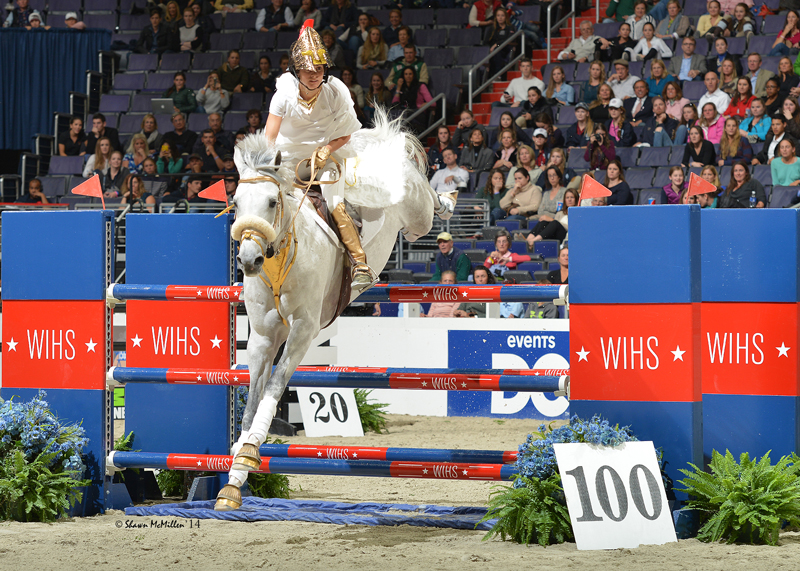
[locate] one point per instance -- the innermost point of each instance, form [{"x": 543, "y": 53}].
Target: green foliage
[
  {"x": 124, "y": 443},
  {"x": 531, "y": 510},
  {"x": 372, "y": 416},
  {"x": 745, "y": 502},
  {"x": 171, "y": 482},
  {"x": 31, "y": 491},
  {"x": 269, "y": 485}
]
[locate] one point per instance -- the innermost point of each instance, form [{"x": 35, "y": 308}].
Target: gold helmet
[{"x": 309, "y": 51}]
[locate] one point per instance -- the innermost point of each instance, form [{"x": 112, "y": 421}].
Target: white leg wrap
[
  {"x": 262, "y": 421},
  {"x": 237, "y": 477}
]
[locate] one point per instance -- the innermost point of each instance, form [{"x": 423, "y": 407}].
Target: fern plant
[
  {"x": 745, "y": 502},
  {"x": 372, "y": 415},
  {"x": 530, "y": 510}
]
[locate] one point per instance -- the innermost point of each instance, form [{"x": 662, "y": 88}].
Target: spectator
[
  {"x": 444, "y": 308},
  {"x": 616, "y": 48},
  {"x": 714, "y": 63},
  {"x": 727, "y": 77},
  {"x": 391, "y": 33},
  {"x": 621, "y": 194},
  {"x": 788, "y": 79},
  {"x": 335, "y": 51},
  {"x": 511, "y": 309},
  {"x": 558, "y": 90},
  {"x": 465, "y": 126},
  {"x": 561, "y": 275},
  {"x": 35, "y": 22},
  {"x": 275, "y": 17},
  {"x": 531, "y": 108},
  {"x": 676, "y": 25},
  {"x": 195, "y": 166},
  {"x": 212, "y": 97},
  {"x": 689, "y": 118},
  {"x": 133, "y": 190},
  {"x": 671, "y": 192},
  {"x": 494, "y": 191},
  {"x": 640, "y": 107},
  {"x": 477, "y": 157},
  {"x": 203, "y": 19},
  {"x": 673, "y": 97},
  {"x": 599, "y": 109},
  {"x": 149, "y": 128},
  {"x": 600, "y": 150},
  {"x": 502, "y": 259},
  {"x": 228, "y": 166},
  {"x": 451, "y": 177},
  {"x": 254, "y": 125},
  {"x": 34, "y": 194},
  {"x": 72, "y": 23},
  {"x": 555, "y": 138},
  {"x": 480, "y": 276},
  {"x": 409, "y": 60},
  {"x": 552, "y": 196},
  {"x": 739, "y": 106},
  {"x": 169, "y": 160},
  {"x": 714, "y": 24},
  {"x": 355, "y": 36},
  {"x": 192, "y": 37},
  {"x": 792, "y": 114},
  {"x": 788, "y": 40},
  {"x": 555, "y": 229},
  {"x": 308, "y": 11},
  {"x": 619, "y": 10},
  {"x": 597, "y": 77},
  {"x": 70, "y": 143},
  {"x": 136, "y": 153},
  {"x": 540, "y": 150},
  {"x": 742, "y": 24},
  {"x": 19, "y": 16},
  {"x": 155, "y": 38},
  {"x": 758, "y": 77},
  {"x": 230, "y": 187},
  {"x": 506, "y": 154},
  {"x": 194, "y": 185},
  {"x": 786, "y": 169},
  {"x": 698, "y": 152},
  {"x": 443, "y": 142},
  {"x": 685, "y": 198},
  {"x": 773, "y": 103},
  {"x": 559, "y": 160},
  {"x": 709, "y": 174},
  {"x": 183, "y": 98},
  {"x": 240, "y": 135},
  {"x": 742, "y": 190},
  {"x": 618, "y": 128},
  {"x": 776, "y": 134},
  {"x": 99, "y": 160},
  {"x": 341, "y": 15},
  {"x": 757, "y": 125},
  {"x": 658, "y": 79},
  {"x": 714, "y": 95},
  {"x": 525, "y": 160},
  {"x": 507, "y": 122},
  {"x": 712, "y": 122},
  {"x": 578, "y": 133},
  {"x": 349, "y": 79},
  {"x": 450, "y": 259},
  {"x": 661, "y": 130},
  {"x": 232, "y": 77},
  {"x": 622, "y": 82},
  {"x": 262, "y": 80},
  {"x": 689, "y": 65},
  {"x": 481, "y": 14},
  {"x": 500, "y": 31},
  {"x": 521, "y": 201},
  {"x": 99, "y": 130},
  {"x": 518, "y": 91},
  {"x": 212, "y": 152},
  {"x": 172, "y": 14},
  {"x": 411, "y": 94},
  {"x": 373, "y": 53},
  {"x": 582, "y": 48},
  {"x": 377, "y": 94},
  {"x": 111, "y": 181},
  {"x": 397, "y": 51},
  {"x": 181, "y": 138},
  {"x": 639, "y": 19}
]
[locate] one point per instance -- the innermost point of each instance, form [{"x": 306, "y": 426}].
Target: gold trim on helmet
[{"x": 309, "y": 51}]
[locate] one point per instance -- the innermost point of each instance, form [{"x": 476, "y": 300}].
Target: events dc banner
[{"x": 508, "y": 350}]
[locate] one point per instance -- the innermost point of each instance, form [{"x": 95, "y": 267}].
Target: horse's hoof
[
  {"x": 447, "y": 200},
  {"x": 228, "y": 499},
  {"x": 248, "y": 458}
]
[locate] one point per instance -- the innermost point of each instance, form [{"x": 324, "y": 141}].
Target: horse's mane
[{"x": 257, "y": 152}]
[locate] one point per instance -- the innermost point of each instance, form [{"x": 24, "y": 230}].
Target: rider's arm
[
  {"x": 335, "y": 144},
  {"x": 273, "y": 127}
]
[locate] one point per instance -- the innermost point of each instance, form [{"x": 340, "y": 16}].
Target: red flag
[
  {"x": 699, "y": 185},
  {"x": 216, "y": 192},
  {"x": 590, "y": 188},
  {"x": 91, "y": 187}
]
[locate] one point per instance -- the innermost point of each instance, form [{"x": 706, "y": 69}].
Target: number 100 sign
[{"x": 615, "y": 495}]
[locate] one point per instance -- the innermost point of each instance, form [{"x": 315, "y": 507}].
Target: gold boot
[
  {"x": 362, "y": 274},
  {"x": 228, "y": 499},
  {"x": 248, "y": 458}
]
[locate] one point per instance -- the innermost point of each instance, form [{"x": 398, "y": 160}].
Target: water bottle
[{"x": 753, "y": 199}]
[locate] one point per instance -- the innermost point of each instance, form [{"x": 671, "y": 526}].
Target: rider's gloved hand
[{"x": 320, "y": 157}]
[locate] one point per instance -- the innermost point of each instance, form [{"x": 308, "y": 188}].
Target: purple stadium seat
[
  {"x": 439, "y": 57},
  {"x": 582, "y": 71},
  {"x": 124, "y": 37},
  {"x": 470, "y": 56},
  {"x": 196, "y": 80},
  {"x": 133, "y": 23},
  {"x": 453, "y": 17},
  {"x": 421, "y": 17},
  {"x": 770, "y": 63},
  {"x": 566, "y": 115},
  {"x": 234, "y": 120},
  {"x": 175, "y": 62},
  {"x": 53, "y": 186},
  {"x": 246, "y": 101},
  {"x": 248, "y": 60},
  {"x": 546, "y": 248},
  {"x": 129, "y": 81},
  {"x": 65, "y": 6},
  {"x": 763, "y": 174},
  {"x": 464, "y": 37},
  {"x": 98, "y": 6},
  {"x": 639, "y": 177},
  {"x": 782, "y": 196},
  {"x": 197, "y": 122},
  {"x": 648, "y": 194},
  {"x": 262, "y": 41},
  {"x": 285, "y": 40},
  {"x": 530, "y": 266},
  {"x": 416, "y": 267},
  {"x": 636, "y": 68},
  {"x": 226, "y": 42},
  {"x": 73, "y": 199},
  {"x": 141, "y": 102},
  {"x": 430, "y": 38},
  {"x": 531, "y": 13},
  {"x": 447, "y": 81},
  {"x": 702, "y": 47},
  {"x": 761, "y": 45},
  {"x": 576, "y": 160},
  {"x": 241, "y": 20},
  {"x": 38, "y": 5},
  {"x": 65, "y": 165},
  {"x": 736, "y": 45},
  {"x": 655, "y": 156},
  {"x": 693, "y": 90},
  {"x": 773, "y": 25},
  {"x": 662, "y": 177},
  {"x": 104, "y": 21},
  {"x": 114, "y": 103},
  {"x": 159, "y": 82},
  {"x": 382, "y": 16},
  {"x": 725, "y": 173},
  {"x": 694, "y": 9},
  {"x": 207, "y": 62},
  {"x": 142, "y": 62},
  {"x": 364, "y": 76},
  {"x": 131, "y": 122},
  {"x": 609, "y": 30},
  {"x": 628, "y": 156}
]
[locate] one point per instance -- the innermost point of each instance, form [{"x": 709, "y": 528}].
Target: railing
[
  {"x": 550, "y": 25},
  {"x": 508, "y": 66},
  {"x": 442, "y": 121},
  {"x": 94, "y": 89}
]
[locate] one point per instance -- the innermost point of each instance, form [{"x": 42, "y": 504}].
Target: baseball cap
[
  {"x": 71, "y": 16},
  {"x": 615, "y": 103},
  {"x": 35, "y": 16},
  {"x": 195, "y": 156},
  {"x": 227, "y": 157},
  {"x": 540, "y": 133},
  {"x": 446, "y": 236},
  {"x": 582, "y": 105},
  {"x": 621, "y": 62}
]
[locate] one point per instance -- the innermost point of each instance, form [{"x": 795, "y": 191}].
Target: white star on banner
[
  {"x": 90, "y": 346},
  {"x": 137, "y": 341},
  {"x": 12, "y": 345},
  {"x": 464, "y": 385},
  {"x": 582, "y": 354},
  {"x": 355, "y": 454},
  {"x": 536, "y": 374},
  {"x": 677, "y": 354},
  {"x": 783, "y": 350},
  {"x": 466, "y": 473},
  {"x": 319, "y": 454},
  {"x": 199, "y": 293},
  {"x": 424, "y": 383},
  {"x": 199, "y": 462},
  {"x": 199, "y": 378},
  {"x": 464, "y": 294},
  {"x": 424, "y": 470},
  {"x": 424, "y": 294},
  {"x": 236, "y": 379},
  {"x": 238, "y": 293},
  {"x": 215, "y": 342}
]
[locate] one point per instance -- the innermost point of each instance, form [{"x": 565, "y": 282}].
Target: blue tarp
[{"x": 369, "y": 513}]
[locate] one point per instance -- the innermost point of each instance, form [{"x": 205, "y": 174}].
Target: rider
[{"x": 312, "y": 115}]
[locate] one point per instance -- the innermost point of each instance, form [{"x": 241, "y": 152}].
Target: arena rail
[{"x": 388, "y": 453}]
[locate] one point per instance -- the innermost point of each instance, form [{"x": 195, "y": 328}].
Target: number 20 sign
[
  {"x": 329, "y": 412},
  {"x": 615, "y": 495}
]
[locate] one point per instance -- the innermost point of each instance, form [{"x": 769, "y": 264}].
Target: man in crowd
[
  {"x": 34, "y": 194},
  {"x": 100, "y": 130},
  {"x": 517, "y": 91},
  {"x": 581, "y": 49},
  {"x": 758, "y": 77},
  {"x": 776, "y": 134},
  {"x": 714, "y": 95},
  {"x": 233, "y": 77},
  {"x": 224, "y": 139},
  {"x": 465, "y": 127},
  {"x": 191, "y": 35},
  {"x": 180, "y": 137},
  {"x": 451, "y": 177},
  {"x": 390, "y": 32},
  {"x": 690, "y": 65},
  {"x": 72, "y": 22},
  {"x": 622, "y": 82},
  {"x": 212, "y": 152},
  {"x": 19, "y": 16},
  {"x": 409, "y": 60},
  {"x": 639, "y": 107},
  {"x": 450, "y": 259},
  {"x": 155, "y": 38}
]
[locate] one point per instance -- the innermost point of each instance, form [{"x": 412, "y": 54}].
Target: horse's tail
[{"x": 385, "y": 128}]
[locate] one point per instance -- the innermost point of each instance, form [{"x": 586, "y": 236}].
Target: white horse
[{"x": 293, "y": 262}]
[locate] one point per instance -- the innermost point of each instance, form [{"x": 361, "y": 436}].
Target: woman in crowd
[
  {"x": 742, "y": 23},
  {"x": 349, "y": 79},
  {"x": 373, "y": 54},
  {"x": 150, "y": 131},
  {"x": 262, "y": 80},
  {"x": 444, "y": 308},
  {"x": 757, "y": 125},
  {"x": 677, "y": 184},
  {"x": 675, "y": 25},
  {"x": 773, "y": 103},
  {"x": 741, "y": 100},
  {"x": 741, "y": 188},
  {"x": 443, "y": 141},
  {"x": 357, "y": 33},
  {"x": 255, "y": 121},
  {"x": 709, "y": 174},
  {"x": 712, "y": 123},
  {"x": 552, "y": 196},
  {"x": 713, "y": 24},
  {"x": 541, "y": 152},
  {"x": 578, "y": 133},
  {"x": 500, "y": 31},
  {"x": 521, "y": 201},
  {"x": 555, "y": 138},
  {"x": 335, "y": 51},
  {"x": 621, "y": 194},
  {"x": 558, "y": 160},
  {"x": 787, "y": 77},
  {"x": 116, "y": 174},
  {"x": 502, "y": 256},
  {"x": 698, "y": 152},
  {"x": 308, "y": 11},
  {"x": 639, "y": 19},
  {"x": 674, "y": 99},
  {"x": 212, "y": 98},
  {"x": 788, "y": 41},
  {"x": 555, "y": 229},
  {"x": 99, "y": 161},
  {"x": 493, "y": 191},
  {"x": 600, "y": 150},
  {"x": 377, "y": 95},
  {"x": 728, "y": 78},
  {"x": 649, "y": 47},
  {"x": 599, "y": 108},
  {"x": 133, "y": 190},
  {"x": 70, "y": 142},
  {"x": 659, "y": 78},
  {"x": 476, "y": 157},
  {"x": 709, "y": 200},
  {"x": 597, "y": 77},
  {"x": 183, "y": 98},
  {"x": 506, "y": 155},
  {"x": 685, "y": 198},
  {"x": 615, "y": 48},
  {"x": 507, "y": 122},
  {"x": 411, "y": 94},
  {"x": 558, "y": 90},
  {"x": 136, "y": 153},
  {"x": 618, "y": 128},
  {"x": 535, "y": 105},
  {"x": 169, "y": 160},
  {"x": 480, "y": 276},
  {"x": 172, "y": 15},
  {"x": 786, "y": 170},
  {"x": 714, "y": 63},
  {"x": 561, "y": 275},
  {"x": 791, "y": 111},
  {"x": 525, "y": 158},
  {"x": 397, "y": 50},
  {"x": 688, "y": 119},
  {"x": 734, "y": 147}
]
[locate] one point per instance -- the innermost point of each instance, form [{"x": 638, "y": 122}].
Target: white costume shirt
[
  {"x": 303, "y": 130},
  {"x": 459, "y": 176}
]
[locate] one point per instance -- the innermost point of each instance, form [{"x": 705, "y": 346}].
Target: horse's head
[{"x": 260, "y": 205}]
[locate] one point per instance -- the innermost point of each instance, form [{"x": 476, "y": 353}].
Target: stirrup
[
  {"x": 228, "y": 499},
  {"x": 363, "y": 277},
  {"x": 248, "y": 458},
  {"x": 447, "y": 202}
]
